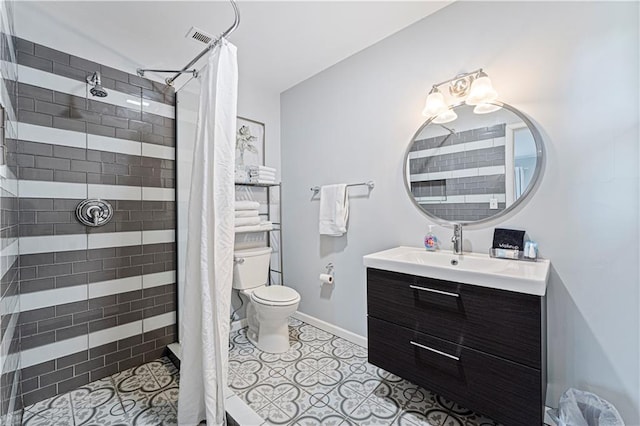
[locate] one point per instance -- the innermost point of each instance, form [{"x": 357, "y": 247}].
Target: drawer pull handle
[
  {"x": 445, "y": 293},
  {"x": 434, "y": 350}
]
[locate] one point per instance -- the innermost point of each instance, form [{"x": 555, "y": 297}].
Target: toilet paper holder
[{"x": 329, "y": 268}]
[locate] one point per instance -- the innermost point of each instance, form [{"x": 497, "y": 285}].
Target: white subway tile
[
  {"x": 158, "y": 151},
  {"x": 45, "y": 244},
  {"x": 114, "y": 192},
  {"x": 41, "y": 189},
  {"x": 114, "y": 239},
  {"x": 122, "y": 146},
  {"x": 58, "y": 296},
  {"x": 52, "y": 136},
  {"x": 122, "y": 285},
  {"x": 159, "y": 321},
  {"x": 55, "y": 350},
  {"x": 158, "y": 194},
  {"x": 161, "y": 236},
  {"x": 158, "y": 279},
  {"x": 113, "y": 334}
]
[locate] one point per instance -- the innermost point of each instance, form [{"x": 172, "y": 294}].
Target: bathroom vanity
[{"x": 457, "y": 325}]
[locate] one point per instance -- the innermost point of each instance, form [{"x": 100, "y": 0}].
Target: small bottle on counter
[{"x": 430, "y": 240}]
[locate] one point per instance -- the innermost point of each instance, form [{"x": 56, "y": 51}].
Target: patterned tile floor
[
  {"x": 145, "y": 395},
  {"x": 326, "y": 380},
  {"x": 321, "y": 380}
]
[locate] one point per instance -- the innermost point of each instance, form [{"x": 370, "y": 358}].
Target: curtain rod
[{"x": 211, "y": 45}]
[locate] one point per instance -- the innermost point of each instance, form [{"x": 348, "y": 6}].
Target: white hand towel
[
  {"x": 247, "y": 205},
  {"x": 334, "y": 210},
  {"x": 261, "y": 180},
  {"x": 246, "y": 213},
  {"x": 246, "y": 221},
  {"x": 262, "y": 175},
  {"x": 262, "y": 227}
]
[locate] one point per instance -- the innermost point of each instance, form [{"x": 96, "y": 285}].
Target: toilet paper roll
[{"x": 326, "y": 279}]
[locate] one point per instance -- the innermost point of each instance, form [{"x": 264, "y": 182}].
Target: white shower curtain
[{"x": 204, "y": 323}]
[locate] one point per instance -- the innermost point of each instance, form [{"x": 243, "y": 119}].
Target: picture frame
[{"x": 249, "y": 143}]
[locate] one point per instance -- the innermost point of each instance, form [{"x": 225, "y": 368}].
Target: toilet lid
[{"x": 275, "y": 293}]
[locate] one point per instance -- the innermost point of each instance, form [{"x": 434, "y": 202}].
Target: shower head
[{"x": 97, "y": 89}]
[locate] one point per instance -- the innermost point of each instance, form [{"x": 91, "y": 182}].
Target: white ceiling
[{"x": 279, "y": 43}]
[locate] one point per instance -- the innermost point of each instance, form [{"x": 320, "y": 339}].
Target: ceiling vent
[{"x": 199, "y": 35}]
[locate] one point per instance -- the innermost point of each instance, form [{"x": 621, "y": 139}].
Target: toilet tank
[{"x": 251, "y": 267}]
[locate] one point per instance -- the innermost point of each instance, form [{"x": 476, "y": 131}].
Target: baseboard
[{"x": 333, "y": 329}]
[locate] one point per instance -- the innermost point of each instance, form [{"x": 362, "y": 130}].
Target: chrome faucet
[{"x": 457, "y": 238}]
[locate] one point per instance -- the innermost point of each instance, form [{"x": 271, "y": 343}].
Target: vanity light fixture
[{"x": 473, "y": 88}]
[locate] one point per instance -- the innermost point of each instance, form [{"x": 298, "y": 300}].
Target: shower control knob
[{"x": 94, "y": 212}]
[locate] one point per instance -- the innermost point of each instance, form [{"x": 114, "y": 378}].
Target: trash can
[{"x": 580, "y": 408}]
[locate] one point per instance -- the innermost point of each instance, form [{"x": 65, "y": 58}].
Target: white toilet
[{"x": 268, "y": 307}]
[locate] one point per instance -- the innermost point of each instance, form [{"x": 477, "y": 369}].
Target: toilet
[{"x": 268, "y": 307}]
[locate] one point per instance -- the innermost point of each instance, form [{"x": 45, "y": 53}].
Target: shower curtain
[{"x": 209, "y": 260}]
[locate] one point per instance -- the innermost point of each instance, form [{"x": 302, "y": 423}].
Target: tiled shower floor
[
  {"x": 146, "y": 395},
  {"x": 321, "y": 380}
]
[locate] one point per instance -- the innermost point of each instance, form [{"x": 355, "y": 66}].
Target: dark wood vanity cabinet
[{"x": 480, "y": 347}]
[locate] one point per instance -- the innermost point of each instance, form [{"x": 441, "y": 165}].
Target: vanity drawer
[
  {"x": 503, "y": 323},
  {"x": 508, "y": 392}
]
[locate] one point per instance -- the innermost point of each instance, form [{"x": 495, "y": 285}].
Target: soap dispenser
[{"x": 430, "y": 240}]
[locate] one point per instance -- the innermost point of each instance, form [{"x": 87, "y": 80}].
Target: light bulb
[
  {"x": 435, "y": 103},
  {"x": 481, "y": 91},
  {"x": 445, "y": 117},
  {"x": 486, "y": 108}
]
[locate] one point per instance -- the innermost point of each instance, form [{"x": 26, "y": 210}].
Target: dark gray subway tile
[
  {"x": 118, "y": 309},
  {"x": 39, "y": 395},
  {"x": 130, "y": 362},
  {"x": 69, "y": 153},
  {"x": 45, "y": 271},
  {"x": 35, "y": 92},
  {"x": 102, "y": 350},
  {"x": 51, "y": 109},
  {"x": 56, "y": 376},
  {"x": 106, "y": 275},
  {"x": 34, "y": 62},
  {"x": 27, "y": 104},
  {"x": 70, "y": 332},
  {"x": 128, "y": 88},
  {"x": 51, "y": 54},
  {"x": 27, "y": 173},
  {"x": 140, "y": 82},
  {"x": 53, "y": 324},
  {"x": 36, "y": 315},
  {"x": 114, "y": 73},
  {"x": 89, "y": 365},
  {"x": 145, "y": 347},
  {"x": 129, "y": 113},
  {"x": 70, "y": 256},
  {"x": 52, "y": 217},
  {"x": 101, "y": 373},
  {"x": 29, "y": 385},
  {"x": 129, "y": 317},
  {"x": 72, "y": 359},
  {"x": 22, "y": 45},
  {"x": 87, "y": 266},
  {"x": 37, "y": 285},
  {"x": 129, "y": 342},
  {"x": 108, "y": 120},
  {"x": 88, "y": 316},
  {"x": 154, "y": 354},
  {"x": 38, "y": 369},
  {"x": 73, "y": 383},
  {"x": 118, "y": 356},
  {"x": 69, "y": 124},
  {"x": 37, "y": 340},
  {"x": 36, "y": 118},
  {"x": 36, "y": 259},
  {"x": 69, "y": 176},
  {"x": 132, "y": 135},
  {"x": 101, "y": 324},
  {"x": 100, "y": 130},
  {"x": 67, "y": 71},
  {"x": 101, "y": 107},
  {"x": 86, "y": 166},
  {"x": 83, "y": 64},
  {"x": 72, "y": 308}
]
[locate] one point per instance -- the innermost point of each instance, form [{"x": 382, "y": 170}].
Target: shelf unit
[{"x": 277, "y": 225}]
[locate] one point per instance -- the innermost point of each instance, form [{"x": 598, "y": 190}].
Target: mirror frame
[{"x": 534, "y": 179}]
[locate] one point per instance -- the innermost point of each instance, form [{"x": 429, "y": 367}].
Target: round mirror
[{"x": 476, "y": 167}]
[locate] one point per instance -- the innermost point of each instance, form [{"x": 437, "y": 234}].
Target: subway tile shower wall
[
  {"x": 10, "y": 401},
  {"x": 94, "y": 301}
]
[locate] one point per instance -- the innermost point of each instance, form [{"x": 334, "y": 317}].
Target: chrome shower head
[{"x": 97, "y": 89}]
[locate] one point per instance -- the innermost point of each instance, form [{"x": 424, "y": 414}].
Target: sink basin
[{"x": 468, "y": 268}]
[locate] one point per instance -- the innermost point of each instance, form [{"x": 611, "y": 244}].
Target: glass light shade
[
  {"x": 445, "y": 117},
  {"x": 434, "y": 105},
  {"x": 486, "y": 108},
  {"x": 481, "y": 92}
]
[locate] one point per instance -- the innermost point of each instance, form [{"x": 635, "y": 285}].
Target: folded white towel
[
  {"x": 263, "y": 226},
  {"x": 261, "y": 168},
  {"x": 247, "y": 205},
  {"x": 262, "y": 180},
  {"x": 246, "y": 213},
  {"x": 262, "y": 174},
  {"x": 334, "y": 210},
  {"x": 241, "y": 175},
  {"x": 246, "y": 221}
]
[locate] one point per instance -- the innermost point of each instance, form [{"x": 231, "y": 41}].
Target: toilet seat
[{"x": 275, "y": 295}]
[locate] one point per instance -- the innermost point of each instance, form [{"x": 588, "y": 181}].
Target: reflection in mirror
[{"x": 473, "y": 168}]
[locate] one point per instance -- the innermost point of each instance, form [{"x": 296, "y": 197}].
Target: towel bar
[{"x": 370, "y": 184}]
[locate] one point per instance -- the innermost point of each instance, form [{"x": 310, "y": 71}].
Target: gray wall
[
  {"x": 572, "y": 67},
  {"x": 94, "y": 301}
]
